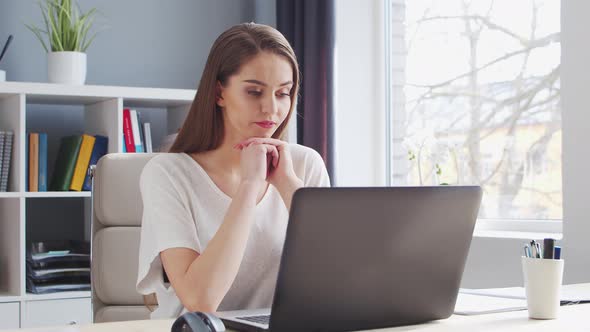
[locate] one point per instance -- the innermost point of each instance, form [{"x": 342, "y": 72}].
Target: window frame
[{"x": 485, "y": 227}]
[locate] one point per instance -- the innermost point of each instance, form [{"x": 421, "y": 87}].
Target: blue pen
[
  {"x": 527, "y": 250},
  {"x": 557, "y": 252}
]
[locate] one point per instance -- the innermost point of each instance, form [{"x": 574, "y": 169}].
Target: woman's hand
[
  {"x": 281, "y": 173},
  {"x": 256, "y": 160}
]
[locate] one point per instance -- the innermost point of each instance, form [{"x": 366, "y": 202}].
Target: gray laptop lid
[{"x": 360, "y": 258}]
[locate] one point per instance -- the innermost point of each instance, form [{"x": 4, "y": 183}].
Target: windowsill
[
  {"x": 516, "y": 235},
  {"x": 519, "y": 229}
]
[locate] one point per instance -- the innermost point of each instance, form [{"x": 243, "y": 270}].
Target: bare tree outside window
[{"x": 476, "y": 100}]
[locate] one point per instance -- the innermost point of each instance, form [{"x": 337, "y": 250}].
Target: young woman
[{"x": 216, "y": 207}]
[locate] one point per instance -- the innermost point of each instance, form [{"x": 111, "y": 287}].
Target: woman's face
[{"x": 256, "y": 100}]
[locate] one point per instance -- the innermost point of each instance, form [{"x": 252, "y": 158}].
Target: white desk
[{"x": 571, "y": 318}]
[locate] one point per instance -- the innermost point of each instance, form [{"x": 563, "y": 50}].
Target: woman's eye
[
  {"x": 255, "y": 93},
  {"x": 284, "y": 94}
]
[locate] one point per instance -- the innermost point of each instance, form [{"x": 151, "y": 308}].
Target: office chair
[{"x": 116, "y": 223}]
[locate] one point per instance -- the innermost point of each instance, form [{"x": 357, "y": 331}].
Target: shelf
[
  {"x": 8, "y": 297},
  {"x": 48, "y": 93},
  {"x": 62, "y": 110},
  {"x": 58, "y": 295},
  {"x": 57, "y": 194},
  {"x": 46, "y": 194},
  {"x": 9, "y": 194}
]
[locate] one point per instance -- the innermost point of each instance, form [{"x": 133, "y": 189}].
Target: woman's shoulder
[
  {"x": 309, "y": 166},
  {"x": 166, "y": 160},
  {"x": 302, "y": 154},
  {"x": 164, "y": 164}
]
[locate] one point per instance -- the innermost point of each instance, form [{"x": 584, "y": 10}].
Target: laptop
[{"x": 368, "y": 258}]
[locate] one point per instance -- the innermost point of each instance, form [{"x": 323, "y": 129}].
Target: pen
[
  {"x": 557, "y": 252},
  {"x": 548, "y": 245},
  {"x": 5, "y": 47},
  {"x": 539, "y": 252},
  {"x": 527, "y": 250},
  {"x": 533, "y": 249}
]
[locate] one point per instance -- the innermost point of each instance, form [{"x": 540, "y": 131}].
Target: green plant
[{"x": 66, "y": 28}]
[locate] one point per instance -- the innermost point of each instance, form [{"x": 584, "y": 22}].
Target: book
[
  {"x": 128, "y": 131},
  {"x": 2, "y": 137},
  {"x": 148, "y": 137},
  {"x": 141, "y": 133},
  {"x": 65, "y": 163},
  {"x": 33, "y": 162},
  {"x": 6, "y": 159},
  {"x": 42, "y": 182},
  {"x": 101, "y": 145},
  {"x": 82, "y": 162},
  {"x": 27, "y": 164},
  {"x": 136, "y": 134}
]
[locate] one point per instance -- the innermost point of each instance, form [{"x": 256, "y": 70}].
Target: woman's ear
[{"x": 218, "y": 95}]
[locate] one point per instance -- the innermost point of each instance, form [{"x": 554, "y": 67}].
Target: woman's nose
[{"x": 269, "y": 105}]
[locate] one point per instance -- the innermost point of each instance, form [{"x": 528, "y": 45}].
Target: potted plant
[{"x": 67, "y": 30}]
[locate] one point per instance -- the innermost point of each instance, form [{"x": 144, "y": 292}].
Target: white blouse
[{"x": 182, "y": 207}]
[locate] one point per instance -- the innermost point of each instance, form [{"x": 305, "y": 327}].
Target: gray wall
[{"x": 145, "y": 43}]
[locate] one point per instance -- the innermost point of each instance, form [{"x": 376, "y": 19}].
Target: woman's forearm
[
  {"x": 288, "y": 189},
  {"x": 211, "y": 275}
]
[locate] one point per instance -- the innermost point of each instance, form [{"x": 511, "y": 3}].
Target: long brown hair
[{"x": 203, "y": 128}]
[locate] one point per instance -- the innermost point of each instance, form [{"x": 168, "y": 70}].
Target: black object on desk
[
  {"x": 198, "y": 322},
  {"x": 548, "y": 245}
]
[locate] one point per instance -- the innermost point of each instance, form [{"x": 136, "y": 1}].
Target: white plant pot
[{"x": 66, "y": 67}]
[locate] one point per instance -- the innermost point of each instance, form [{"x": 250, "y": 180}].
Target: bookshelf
[{"x": 31, "y": 216}]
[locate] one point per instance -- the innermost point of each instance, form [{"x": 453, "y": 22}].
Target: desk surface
[{"x": 571, "y": 318}]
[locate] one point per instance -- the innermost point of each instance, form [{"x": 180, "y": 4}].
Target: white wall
[
  {"x": 492, "y": 262},
  {"x": 575, "y": 82},
  {"x": 359, "y": 89}
]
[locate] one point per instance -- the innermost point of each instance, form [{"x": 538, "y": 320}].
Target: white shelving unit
[{"x": 102, "y": 112}]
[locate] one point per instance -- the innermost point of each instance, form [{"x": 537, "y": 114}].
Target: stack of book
[
  {"x": 137, "y": 135},
  {"x": 57, "y": 266},
  {"x": 6, "y": 139},
  {"x": 76, "y": 154}
]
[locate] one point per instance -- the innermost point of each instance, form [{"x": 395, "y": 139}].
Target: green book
[{"x": 65, "y": 163}]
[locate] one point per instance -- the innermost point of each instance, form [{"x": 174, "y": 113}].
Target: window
[{"x": 474, "y": 98}]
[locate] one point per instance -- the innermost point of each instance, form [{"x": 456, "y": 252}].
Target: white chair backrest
[{"x": 117, "y": 211}]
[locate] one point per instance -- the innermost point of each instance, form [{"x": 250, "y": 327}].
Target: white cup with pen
[{"x": 542, "y": 269}]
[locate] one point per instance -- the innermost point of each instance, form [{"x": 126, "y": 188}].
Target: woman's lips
[{"x": 265, "y": 124}]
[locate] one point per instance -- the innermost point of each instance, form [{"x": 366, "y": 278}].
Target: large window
[{"x": 474, "y": 98}]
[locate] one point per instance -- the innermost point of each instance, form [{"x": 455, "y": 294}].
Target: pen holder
[{"x": 542, "y": 283}]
